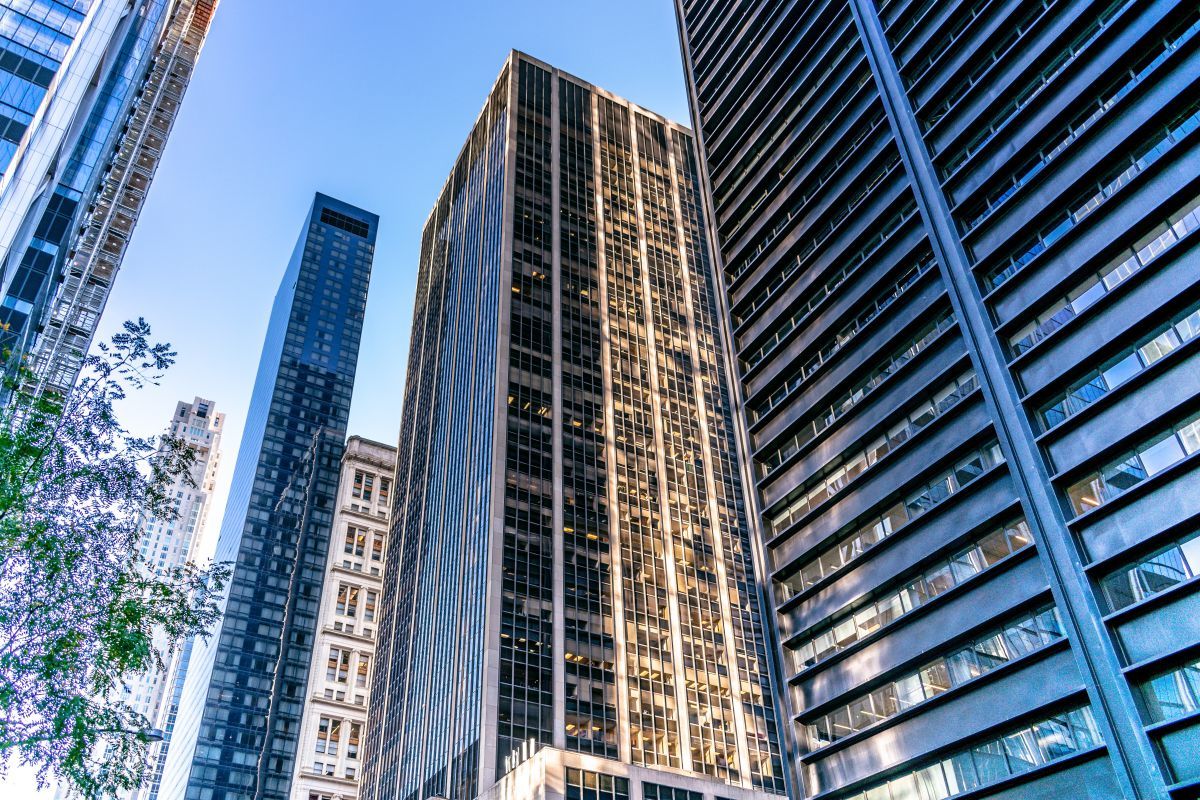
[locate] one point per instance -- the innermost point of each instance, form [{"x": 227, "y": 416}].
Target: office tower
[
  {"x": 168, "y": 544},
  {"x": 570, "y": 598},
  {"x": 69, "y": 321},
  {"x": 91, "y": 89},
  {"x": 961, "y": 279},
  {"x": 239, "y": 716},
  {"x": 329, "y": 760}
]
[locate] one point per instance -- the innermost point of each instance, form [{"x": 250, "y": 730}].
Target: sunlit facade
[
  {"x": 89, "y": 90},
  {"x": 330, "y": 753},
  {"x": 238, "y": 721},
  {"x": 961, "y": 278},
  {"x": 166, "y": 545},
  {"x": 571, "y": 584},
  {"x": 67, "y": 323}
]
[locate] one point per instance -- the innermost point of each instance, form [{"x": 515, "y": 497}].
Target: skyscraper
[
  {"x": 571, "y": 603},
  {"x": 329, "y": 759},
  {"x": 90, "y": 90},
  {"x": 239, "y": 716},
  {"x": 68, "y": 323},
  {"x": 961, "y": 280},
  {"x": 166, "y": 545}
]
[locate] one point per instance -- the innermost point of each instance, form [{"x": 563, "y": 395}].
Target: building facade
[
  {"x": 330, "y": 753},
  {"x": 238, "y": 720},
  {"x": 67, "y": 324},
  {"x": 167, "y": 545},
  {"x": 90, "y": 89},
  {"x": 960, "y": 277},
  {"x": 571, "y": 597}
]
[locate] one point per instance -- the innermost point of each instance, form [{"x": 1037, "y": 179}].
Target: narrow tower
[
  {"x": 571, "y": 602},
  {"x": 330, "y": 757},
  {"x": 239, "y": 716}
]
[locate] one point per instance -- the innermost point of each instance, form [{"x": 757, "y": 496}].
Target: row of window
[
  {"x": 1121, "y": 368},
  {"x": 364, "y": 487},
  {"x": 1177, "y": 227},
  {"x": 1154, "y": 574},
  {"x": 1012, "y": 33},
  {"x": 946, "y": 398},
  {"x": 1150, "y": 458},
  {"x": 853, "y": 397},
  {"x": 781, "y": 272},
  {"x": 934, "y": 582},
  {"x": 836, "y": 342},
  {"x": 986, "y": 763},
  {"x": 802, "y": 196},
  {"x": 1140, "y": 159},
  {"x": 1105, "y": 100},
  {"x": 816, "y": 235},
  {"x": 1032, "y": 88},
  {"x": 892, "y": 520},
  {"x": 1016, "y": 639}
]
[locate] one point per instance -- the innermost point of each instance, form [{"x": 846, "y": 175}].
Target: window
[
  {"x": 338, "y": 666},
  {"x": 1179, "y": 225},
  {"x": 1153, "y": 574},
  {"x": 364, "y": 484},
  {"x": 385, "y": 487},
  {"x": 329, "y": 731},
  {"x": 352, "y": 742},
  {"x": 364, "y": 668},
  {"x": 1173, "y": 694},
  {"x": 884, "y": 525},
  {"x": 356, "y": 541},
  {"x": 377, "y": 547},
  {"x": 347, "y": 600},
  {"x": 369, "y": 606},
  {"x": 584, "y": 785}
]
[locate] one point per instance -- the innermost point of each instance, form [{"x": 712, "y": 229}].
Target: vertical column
[
  {"x": 1135, "y": 763},
  {"x": 702, "y": 412},
  {"x": 558, "y": 636},
  {"x": 666, "y": 535},
  {"x": 620, "y": 662},
  {"x": 489, "y": 728}
]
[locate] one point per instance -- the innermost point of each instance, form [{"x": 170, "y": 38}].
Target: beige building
[
  {"x": 329, "y": 755},
  {"x": 167, "y": 544}
]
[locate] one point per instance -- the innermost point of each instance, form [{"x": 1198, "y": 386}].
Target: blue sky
[
  {"x": 369, "y": 103},
  {"x": 366, "y": 100}
]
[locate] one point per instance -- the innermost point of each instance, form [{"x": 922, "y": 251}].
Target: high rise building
[
  {"x": 239, "y": 716},
  {"x": 570, "y": 596},
  {"x": 329, "y": 758},
  {"x": 168, "y": 544},
  {"x": 960, "y": 276},
  {"x": 90, "y": 90}
]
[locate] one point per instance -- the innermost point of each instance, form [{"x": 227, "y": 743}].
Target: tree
[{"x": 81, "y": 613}]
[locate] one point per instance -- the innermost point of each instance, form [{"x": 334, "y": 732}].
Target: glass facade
[
  {"x": 605, "y": 601},
  {"x": 239, "y": 718},
  {"x": 61, "y": 178},
  {"x": 145, "y": 96},
  {"x": 959, "y": 274}
]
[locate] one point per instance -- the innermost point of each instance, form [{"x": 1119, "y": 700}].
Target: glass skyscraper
[
  {"x": 239, "y": 715},
  {"x": 961, "y": 278},
  {"x": 89, "y": 90},
  {"x": 570, "y": 595}
]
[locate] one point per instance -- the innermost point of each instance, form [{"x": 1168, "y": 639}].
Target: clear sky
[{"x": 365, "y": 100}]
